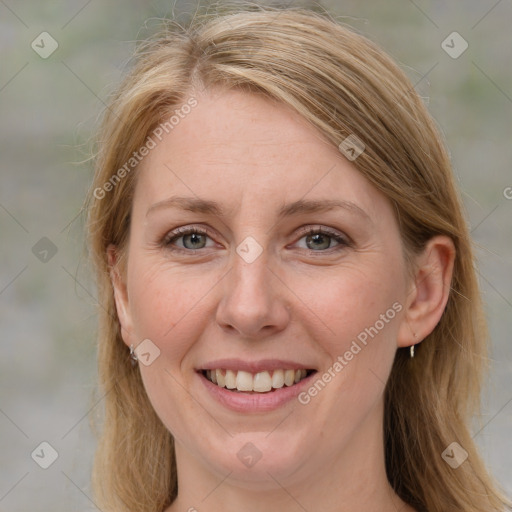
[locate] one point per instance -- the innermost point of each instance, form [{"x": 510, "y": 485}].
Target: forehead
[
  {"x": 238, "y": 126},
  {"x": 240, "y": 146}
]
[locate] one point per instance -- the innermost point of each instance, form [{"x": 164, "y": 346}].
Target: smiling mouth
[{"x": 261, "y": 382}]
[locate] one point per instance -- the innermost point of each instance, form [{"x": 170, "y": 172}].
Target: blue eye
[
  {"x": 192, "y": 239},
  {"x": 318, "y": 239}
]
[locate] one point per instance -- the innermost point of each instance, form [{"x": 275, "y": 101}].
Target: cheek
[
  {"x": 351, "y": 302},
  {"x": 167, "y": 306},
  {"x": 360, "y": 309}
]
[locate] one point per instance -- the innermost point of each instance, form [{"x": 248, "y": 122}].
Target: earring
[
  {"x": 411, "y": 348},
  {"x": 133, "y": 355}
]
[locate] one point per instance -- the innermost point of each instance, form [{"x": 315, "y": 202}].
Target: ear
[
  {"x": 429, "y": 291},
  {"x": 120, "y": 294}
]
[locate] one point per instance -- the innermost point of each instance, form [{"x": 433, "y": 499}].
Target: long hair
[{"x": 343, "y": 85}]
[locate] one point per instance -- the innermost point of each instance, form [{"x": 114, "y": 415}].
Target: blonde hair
[{"x": 343, "y": 84}]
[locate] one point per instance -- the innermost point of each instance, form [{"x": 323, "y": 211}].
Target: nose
[{"x": 253, "y": 302}]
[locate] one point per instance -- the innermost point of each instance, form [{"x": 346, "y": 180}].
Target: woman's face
[{"x": 224, "y": 275}]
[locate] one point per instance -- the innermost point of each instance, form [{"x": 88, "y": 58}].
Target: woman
[{"x": 290, "y": 316}]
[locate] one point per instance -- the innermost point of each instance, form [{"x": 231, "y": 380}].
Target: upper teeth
[{"x": 260, "y": 382}]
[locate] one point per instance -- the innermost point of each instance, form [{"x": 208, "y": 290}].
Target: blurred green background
[{"x": 49, "y": 109}]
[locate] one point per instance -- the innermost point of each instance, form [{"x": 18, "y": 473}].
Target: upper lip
[{"x": 254, "y": 366}]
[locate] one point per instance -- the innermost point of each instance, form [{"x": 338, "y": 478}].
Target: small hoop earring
[{"x": 133, "y": 355}]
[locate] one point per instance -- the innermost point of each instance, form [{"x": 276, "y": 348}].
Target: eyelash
[{"x": 343, "y": 241}]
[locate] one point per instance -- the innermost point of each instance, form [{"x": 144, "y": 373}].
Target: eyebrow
[{"x": 301, "y": 206}]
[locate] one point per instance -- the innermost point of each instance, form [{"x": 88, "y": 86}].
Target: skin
[{"x": 302, "y": 298}]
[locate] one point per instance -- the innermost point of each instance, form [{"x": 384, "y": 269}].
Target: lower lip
[{"x": 254, "y": 402}]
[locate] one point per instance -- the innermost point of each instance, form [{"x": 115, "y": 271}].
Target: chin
[{"x": 257, "y": 461}]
